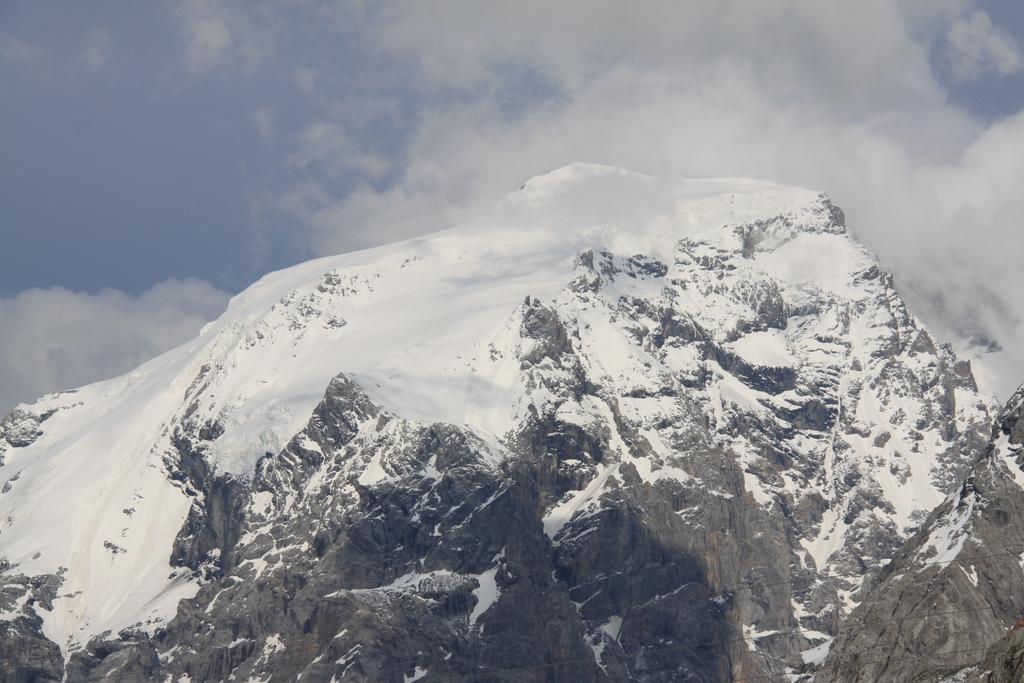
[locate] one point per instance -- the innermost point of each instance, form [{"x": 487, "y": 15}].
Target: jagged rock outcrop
[
  {"x": 1003, "y": 663},
  {"x": 25, "y": 653}
]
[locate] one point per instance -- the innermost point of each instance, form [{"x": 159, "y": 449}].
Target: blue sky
[
  {"x": 156, "y": 157},
  {"x": 138, "y": 168}
]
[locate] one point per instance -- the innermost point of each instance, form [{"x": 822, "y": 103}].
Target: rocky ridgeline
[
  {"x": 948, "y": 607},
  {"x": 714, "y": 465}
]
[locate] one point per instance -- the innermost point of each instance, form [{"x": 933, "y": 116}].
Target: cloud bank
[{"x": 56, "y": 339}]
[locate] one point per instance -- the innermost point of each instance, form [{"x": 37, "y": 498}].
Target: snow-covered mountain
[{"x": 621, "y": 427}]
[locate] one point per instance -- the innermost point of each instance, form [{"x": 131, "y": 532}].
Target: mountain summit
[{"x": 619, "y": 428}]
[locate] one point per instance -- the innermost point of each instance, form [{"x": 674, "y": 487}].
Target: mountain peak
[
  {"x": 605, "y": 348},
  {"x": 582, "y": 204}
]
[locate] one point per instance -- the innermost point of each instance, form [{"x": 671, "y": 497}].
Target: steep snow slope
[{"x": 749, "y": 298}]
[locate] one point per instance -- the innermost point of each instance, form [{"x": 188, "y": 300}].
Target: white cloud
[
  {"x": 57, "y": 339},
  {"x": 96, "y": 48},
  {"x": 224, "y": 33},
  {"x": 305, "y": 79},
  {"x": 206, "y": 27},
  {"x": 976, "y": 46},
  {"x": 327, "y": 145},
  {"x": 14, "y": 49},
  {"x": 856, "y": 56},
  {"x": 263, "y": 119}
]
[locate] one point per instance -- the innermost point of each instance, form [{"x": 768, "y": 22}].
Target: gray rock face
[
  {"x": 955, "y": 588},
  {"x": 367, "y": 576},
  {"x": 707, "y": 457},
  {"x": 20, "y": 429},
  {"x": 25, "y": 653},
  {"x": 1004, "y": 661}
]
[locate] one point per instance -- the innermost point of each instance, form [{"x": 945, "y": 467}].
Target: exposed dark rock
[{"x": 26, "y": 655}]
